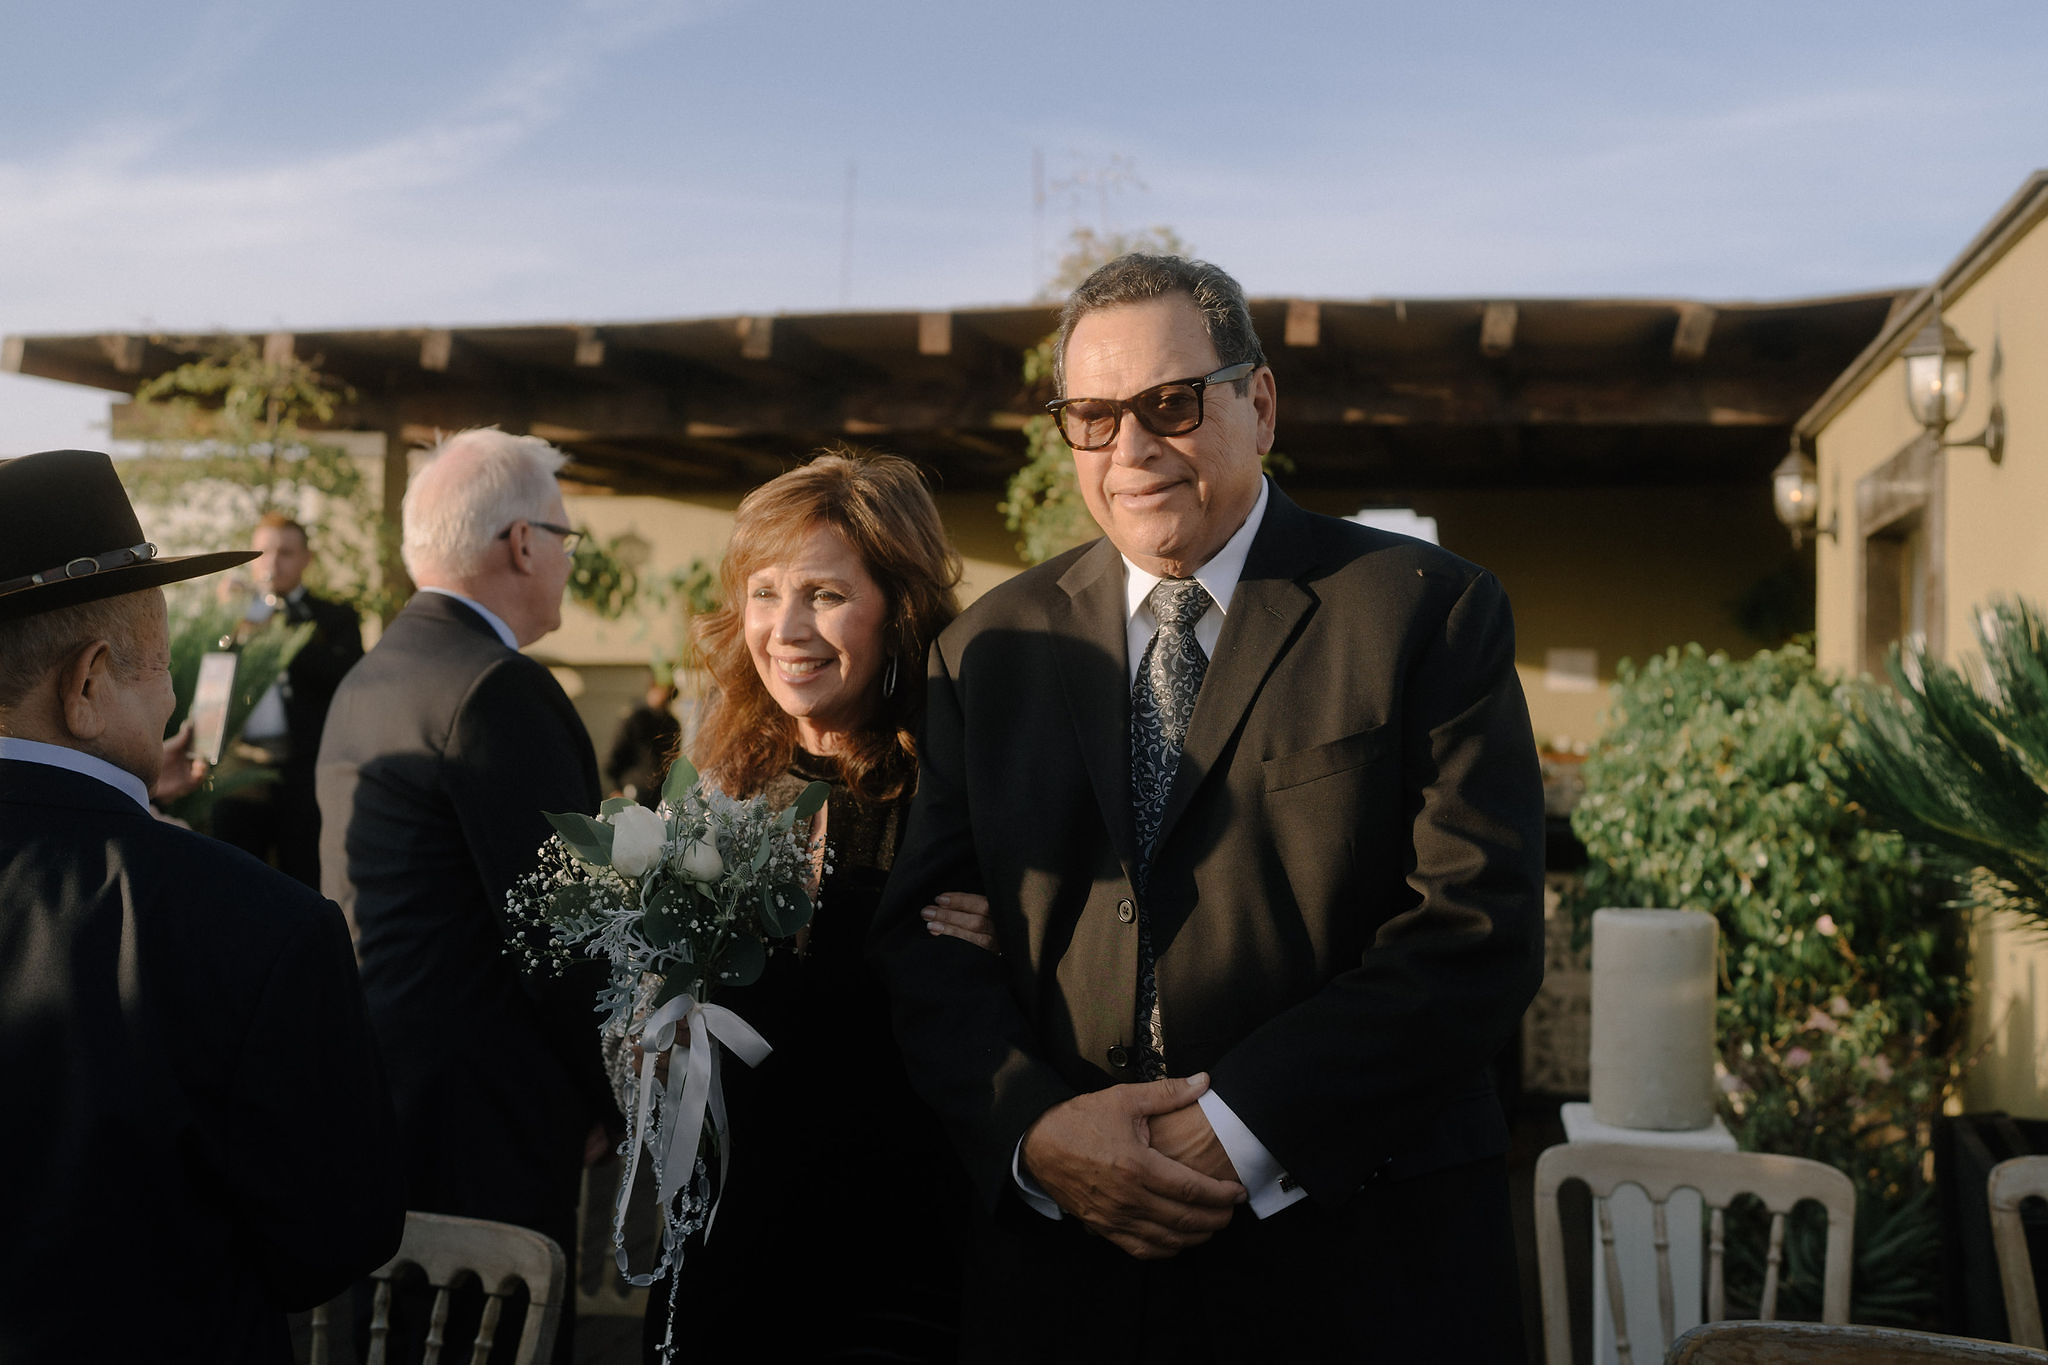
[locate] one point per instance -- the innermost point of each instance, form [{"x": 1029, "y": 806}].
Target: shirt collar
[
  {"x": 1219, "y": 576},
  {"x": 77, "y": 761},
  {"x": 491, "y": 618}
]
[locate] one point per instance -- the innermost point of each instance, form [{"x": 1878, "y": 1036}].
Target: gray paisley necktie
[{"x": 1162, "y": 701}]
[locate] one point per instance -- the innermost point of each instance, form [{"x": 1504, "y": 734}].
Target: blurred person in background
[
  {"x": 279, "y": 820},
  {"x": 641, "y": 750}
]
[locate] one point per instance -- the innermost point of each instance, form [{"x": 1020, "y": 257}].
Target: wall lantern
[
  {"x": 1938, "y": 386},
  {"x": 1795, "y": 495}
]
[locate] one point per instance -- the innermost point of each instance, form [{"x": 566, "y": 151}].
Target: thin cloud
[{"x": 101, "y": 212}]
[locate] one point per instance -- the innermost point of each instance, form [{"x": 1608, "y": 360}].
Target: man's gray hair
[
  {"x": 475, "y": 484},
  {"x": 1137, "y": 277},
  {"x": 30, "y": 646}
]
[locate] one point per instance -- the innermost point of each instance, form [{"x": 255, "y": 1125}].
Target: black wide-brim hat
[{"x": 68, "y": 534}]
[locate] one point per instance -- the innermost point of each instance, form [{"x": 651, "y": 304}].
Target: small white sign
[{"x": 210, "y": 699}]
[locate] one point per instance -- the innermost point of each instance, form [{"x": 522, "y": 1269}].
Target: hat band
[{"x": 82, "y": 567}]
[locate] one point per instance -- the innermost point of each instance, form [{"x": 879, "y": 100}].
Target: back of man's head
[
  {"x": 33, "y": 647},
  {"x": 1137, "y": 277},
  {"x": 474, "y": 485}
]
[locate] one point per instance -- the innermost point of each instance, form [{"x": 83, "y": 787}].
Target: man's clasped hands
[{"x": 1139, "y": 1164}]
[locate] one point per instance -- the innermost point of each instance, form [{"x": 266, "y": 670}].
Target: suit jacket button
[
  {"x": 1126, "y": 912},
  {"x": 1119, "y": 1057}
]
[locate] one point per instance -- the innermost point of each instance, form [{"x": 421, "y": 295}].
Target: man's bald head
[
  {"x": 475, "y": 484},
  {"x": 485, "y": 519}
]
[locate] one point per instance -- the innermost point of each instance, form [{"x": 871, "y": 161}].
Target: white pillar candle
[{"x": 1653, "y": 1018}]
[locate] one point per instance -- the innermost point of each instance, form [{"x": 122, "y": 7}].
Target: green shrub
[
  {"x": 1841, "y": 991},
  {"x": 1957, "y": 759}
]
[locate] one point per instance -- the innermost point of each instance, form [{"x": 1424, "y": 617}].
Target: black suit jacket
[
  {"x": 1346, "y": 892},
  {"x": 317, "y": 670},
  {"x": 196, "y": 1132},
  {"x": 442, "y": 751}
]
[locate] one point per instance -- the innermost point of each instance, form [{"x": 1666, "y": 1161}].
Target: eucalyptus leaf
[
  {"x": 661, "y": 927},
  {"x": 810, "y": 800},
  {"x": 682, "y": 775},
  {"x": 614, "y": 804},
  {"x": 673, "y": 985},
  {"x": 743, "y": 963},
  {"x": 764, "y": 852},
  {"x": 588, "y": 839},
  {"x": 785, "y": 908}
]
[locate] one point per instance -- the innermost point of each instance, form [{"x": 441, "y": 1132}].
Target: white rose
[
  {"x": 699, "y": 861},
  {"x": 637, "y": 836}
]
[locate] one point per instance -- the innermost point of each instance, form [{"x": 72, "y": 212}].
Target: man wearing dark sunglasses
[{"x": 1254, "y": 799}]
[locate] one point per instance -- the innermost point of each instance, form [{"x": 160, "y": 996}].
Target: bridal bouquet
[{"x": 691, "y": 894}]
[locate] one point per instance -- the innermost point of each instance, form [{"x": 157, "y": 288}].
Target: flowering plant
[{"x": 690, "y": 894}]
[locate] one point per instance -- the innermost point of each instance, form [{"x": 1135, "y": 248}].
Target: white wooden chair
[
  {"x": 2012, "y": 1183},
  {"x": 501, "y": 1257},
  {"x": 1813, "y": 1343},
  {"x": 1718, "y": 1177}
]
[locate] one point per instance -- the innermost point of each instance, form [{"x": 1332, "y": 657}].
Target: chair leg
[{"x": 1619, "y": 1309}]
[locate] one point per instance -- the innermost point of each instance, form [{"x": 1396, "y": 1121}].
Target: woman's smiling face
[{"x": 816, "y": 628}]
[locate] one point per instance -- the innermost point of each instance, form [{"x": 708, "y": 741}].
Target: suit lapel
[
  {"x": 1265, "y": 611},
  {"x": 1089, "y": 646}
]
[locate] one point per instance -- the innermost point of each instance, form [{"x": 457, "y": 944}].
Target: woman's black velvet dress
[{"x": 843, "y": 1222}]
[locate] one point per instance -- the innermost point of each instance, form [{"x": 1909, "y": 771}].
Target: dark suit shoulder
[
  {"x": 244, "y": 894},
  {"x": 446, "y": 634},
  {"x": 332, "y": 608},
  {"x": 226, "y": 913},
  {"x": 1020, "y": 601},
  {"x": 1296, "y": 537},
  {"x": 409, "y": 690}
]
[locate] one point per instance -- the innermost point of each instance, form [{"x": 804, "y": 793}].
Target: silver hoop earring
[{"x": 889, "y": 678}]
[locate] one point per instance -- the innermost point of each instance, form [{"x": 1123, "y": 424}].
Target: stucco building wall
[{"x": 1986, "y": 533}]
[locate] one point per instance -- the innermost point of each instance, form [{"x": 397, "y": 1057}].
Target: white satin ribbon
[{"x": 692, "y": 1092}]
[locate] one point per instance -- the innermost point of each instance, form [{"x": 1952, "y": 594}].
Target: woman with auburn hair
[
  {"x": 872, "y": 512},
  {"x": 840, "y": 1233}
]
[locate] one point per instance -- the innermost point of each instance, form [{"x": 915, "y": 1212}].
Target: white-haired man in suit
[{"x": 443, "y": 749}]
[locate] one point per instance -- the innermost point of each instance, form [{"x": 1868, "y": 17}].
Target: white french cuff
[
  {"x": 692, "y": 1096},
  {"x": 1030, "y": 1191},
  {"x": 1258, "y": 1170}
]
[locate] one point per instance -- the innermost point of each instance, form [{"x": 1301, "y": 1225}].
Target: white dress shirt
[
  {"x": 1257, "y": 1168},
  {"x": 73, "y": 760},
  {"x": 267, "y": 723}
]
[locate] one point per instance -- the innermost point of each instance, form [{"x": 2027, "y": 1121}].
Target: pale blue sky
[{"x": 279, "y": 163}]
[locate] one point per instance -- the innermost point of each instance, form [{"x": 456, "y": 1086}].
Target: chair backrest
[
  {"x": 2012, "y": 1183},
  {"x": 503, "y": 1258},
  {"x": 1718, "y": 1178},
  {"x": 1813, "y": 1343}
]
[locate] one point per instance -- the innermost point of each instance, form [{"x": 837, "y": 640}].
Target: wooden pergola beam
[
  {"x": 1497, "y": 329},
  {"x": 1689, "y": 339}
]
